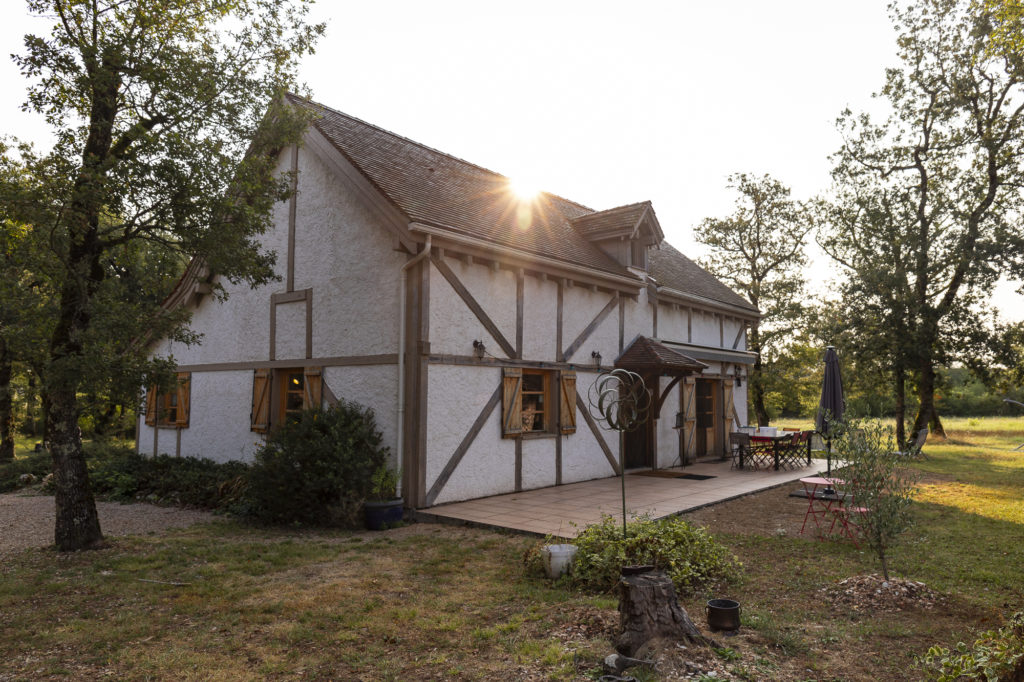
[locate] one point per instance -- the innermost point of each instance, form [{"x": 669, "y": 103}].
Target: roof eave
[
  {"x": 631, "y": 284},
  {"x": 738, "y": 311}
]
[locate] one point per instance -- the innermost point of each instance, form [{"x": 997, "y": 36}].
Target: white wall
[
  {"x": 372, "y": 386},
  {"x": 456, "y": 397},
  {"x": 345, "y": 255}
]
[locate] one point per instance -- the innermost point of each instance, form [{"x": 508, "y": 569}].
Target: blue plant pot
[{"x": 381, "y": 515}]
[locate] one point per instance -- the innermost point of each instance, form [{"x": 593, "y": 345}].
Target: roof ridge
[{"x": 432, "y": 149}]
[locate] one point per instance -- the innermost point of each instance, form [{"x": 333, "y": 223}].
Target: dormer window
[
  {"x": 638, "y": 254},
  {"x": 624, "y": 233}
]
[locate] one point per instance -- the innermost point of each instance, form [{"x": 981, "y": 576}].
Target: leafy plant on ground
[
  {"x": 37, "y": 463},
  {"x": 119, "y": 473},
  {"x": 317, "y": 470},
  {"x": 687, "y": 553},
  {"x": 995, "y": 655},
  {"x": 882, "y": 486}
]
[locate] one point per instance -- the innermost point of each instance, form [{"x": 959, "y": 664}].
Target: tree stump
[{"x": 648, "y": 609}]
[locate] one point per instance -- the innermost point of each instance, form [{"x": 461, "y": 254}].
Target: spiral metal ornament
[{"x": 620, "y": 399}]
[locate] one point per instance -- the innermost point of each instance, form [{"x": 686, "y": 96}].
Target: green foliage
[
  {"x": 37, "y": 464},
  {"x": 384, "y": 484},
  {"x": 995, "y": 655},
  {"x": 880, "y": 483},
  {"x": 317, "y": 470},
  {"x": 688, "y": 554},
  {"x": 118, "y": 473},
  {"x": 759, "y": 252},
  {"x": 924, "y": 217}
]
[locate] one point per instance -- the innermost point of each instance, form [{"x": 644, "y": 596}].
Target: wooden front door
[
  {"x": 640, "y": 442},
  {"x": 706, "y": 424}
]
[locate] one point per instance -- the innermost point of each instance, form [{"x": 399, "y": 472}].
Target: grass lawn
[{"x": 433, "y": 602}]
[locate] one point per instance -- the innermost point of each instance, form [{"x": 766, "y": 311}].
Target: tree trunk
[
  {"x": 649, "y": 609},
  {"x": 756, "y": 378},
  {"x": 926, "y": 414},
  {"x": 901, "y": 407},
  {"x": 78, "y": 524},
  {"x": 6, "y": 405}
]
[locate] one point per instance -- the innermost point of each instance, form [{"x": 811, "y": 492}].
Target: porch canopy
[{"x": 648, "y": 357}]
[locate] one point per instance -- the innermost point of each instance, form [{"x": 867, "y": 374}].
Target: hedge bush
[
  {"x": 688, "y": 554},
  {"x": 317, "y": 470},
  {"x": 118, "y": 473}
]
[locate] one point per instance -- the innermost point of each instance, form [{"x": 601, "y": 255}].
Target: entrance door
[
  {"x": 706, "y": 427},
  {"x": 640, "y": 443}
]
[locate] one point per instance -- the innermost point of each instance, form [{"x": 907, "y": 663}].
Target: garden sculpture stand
[{"x": 619, "y": 399}]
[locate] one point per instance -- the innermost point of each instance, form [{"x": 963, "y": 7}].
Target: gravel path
[{"x": 27, "y": 520}]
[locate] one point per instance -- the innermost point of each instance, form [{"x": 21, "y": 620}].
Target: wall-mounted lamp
[
  {"x": 739, "y": 380},
  {"x": 478, "y": 349},
  {"x": 597, "y": 358}
]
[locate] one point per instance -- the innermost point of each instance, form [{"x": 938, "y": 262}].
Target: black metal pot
[{"x": 723, "y": 614}]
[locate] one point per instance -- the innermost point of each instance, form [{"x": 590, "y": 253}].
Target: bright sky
[{"x": 605, "y": 103}]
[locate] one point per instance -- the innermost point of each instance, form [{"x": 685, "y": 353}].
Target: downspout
[{"x": 425, "y": 253}]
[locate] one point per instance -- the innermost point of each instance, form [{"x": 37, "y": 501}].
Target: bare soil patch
[{"x": 27, "y": 520}]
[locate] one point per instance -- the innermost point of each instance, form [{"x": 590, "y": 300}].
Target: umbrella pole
[{"x": 828, "y": 458}]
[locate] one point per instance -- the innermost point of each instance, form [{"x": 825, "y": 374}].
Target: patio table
[
  {"x": 820, "y": 505},
  {"x": 774, "y": 440}
]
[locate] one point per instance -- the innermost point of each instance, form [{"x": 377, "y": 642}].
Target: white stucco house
[{"x": 471, "y": 321}]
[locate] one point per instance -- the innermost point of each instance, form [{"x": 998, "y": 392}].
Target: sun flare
[{"x": 523, "y": 189}]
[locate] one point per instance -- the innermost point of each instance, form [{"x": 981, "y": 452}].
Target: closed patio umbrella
[{"x": 832, "y": 404}]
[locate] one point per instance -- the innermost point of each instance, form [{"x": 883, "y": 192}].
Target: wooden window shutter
[
  {"x": 567, "y": 403},
  {"x": 151, "y": 406},
  {"x": 689, "y": 417},
  {"x": 728, "y": 407},
  {"x": 184, "y": 391},
  {"x": 511, "y": 402},
  {"x": 260, "y": 415},
  {"x": 312, "y": 395}
]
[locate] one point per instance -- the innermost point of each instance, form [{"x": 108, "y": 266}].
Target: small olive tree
[{"x": 881, "y": 482}]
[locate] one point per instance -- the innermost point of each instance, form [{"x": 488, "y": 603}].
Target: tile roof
[
  {"x": 437, "y": 189},
  {"x": 440, "y": 190},
  {"x": 672, "y": 269},
  {"x": 647, "y": 354},
  {"x": 612, "y": 220}
]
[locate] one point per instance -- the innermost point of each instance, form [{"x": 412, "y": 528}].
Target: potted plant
[{"x": 384, "y": 508}]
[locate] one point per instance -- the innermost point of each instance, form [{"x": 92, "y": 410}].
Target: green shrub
[
  {"x": 118, "y": 473},
  {"x": 688, "y": 554},
  {"x": 36, "y": 463},
  {"x": 317, "y": 470},
  {"x": 996, "y": 655}
]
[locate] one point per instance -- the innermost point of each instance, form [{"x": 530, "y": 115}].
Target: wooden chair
[{"x": 739, "y": 444}]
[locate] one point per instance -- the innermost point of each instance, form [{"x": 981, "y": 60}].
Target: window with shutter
[
  {"x": 527, "y": 400},
  {"x": 260, "y": 415},
  {"x": 313, "y": 388},
  {"x": 567, "y": 403},
  {"x": 169, "y": 408},
  {"x": 183, "y": 399},
  {"x": 511, "y": 402},
  {"x": 151, "y": 406}
]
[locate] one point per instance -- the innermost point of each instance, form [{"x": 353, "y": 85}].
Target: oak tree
[
  {"x": 927, "y": 210},
  {"x": 163, "y": 136},
  {"x": 759, "y": 252}
]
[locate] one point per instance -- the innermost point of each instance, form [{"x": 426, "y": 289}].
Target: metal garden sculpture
[{"x": 620, "y": 400}]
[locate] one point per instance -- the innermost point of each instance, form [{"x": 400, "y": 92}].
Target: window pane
[{"x": 533, "y": 382}]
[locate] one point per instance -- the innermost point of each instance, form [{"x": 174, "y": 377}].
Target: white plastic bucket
[{"x": 557, "y": 559}]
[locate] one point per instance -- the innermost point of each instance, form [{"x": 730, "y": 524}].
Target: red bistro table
[{"x": 819, "y": 507}]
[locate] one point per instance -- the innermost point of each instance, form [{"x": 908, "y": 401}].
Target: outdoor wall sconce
[
  {"x": 597, "y": 358},
  {"x": 739, "y": 380},
  {"x": 478, "y": 349}
]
